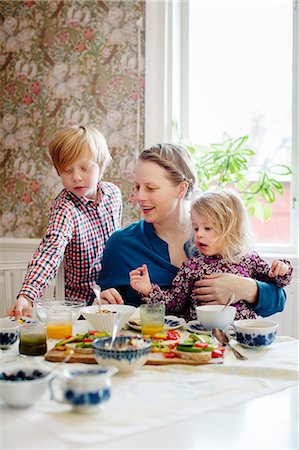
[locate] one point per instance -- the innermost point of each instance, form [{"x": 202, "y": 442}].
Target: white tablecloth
[{"x": 159, "y": 395}]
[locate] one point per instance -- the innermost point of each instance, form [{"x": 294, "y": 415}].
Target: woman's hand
[
  {"x": 111, "y": 296},
  {"x": 216, "y": 288},
  {"x": 140, "y": 280},
  {"x": 21, "y": 307}
]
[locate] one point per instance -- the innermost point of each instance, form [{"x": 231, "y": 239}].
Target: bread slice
[{"x": 200, "y": 357}]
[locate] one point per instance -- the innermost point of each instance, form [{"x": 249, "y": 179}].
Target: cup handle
[
  {"x": 230, "y": 332},
  {"x": 55, "y": 381}
]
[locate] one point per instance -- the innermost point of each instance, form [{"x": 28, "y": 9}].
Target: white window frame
[{"x": 166, "y": 53}]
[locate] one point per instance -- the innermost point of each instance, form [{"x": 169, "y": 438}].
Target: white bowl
[
  {"x": 125, "y": 360},
  {"x": 59, "y": 304},
  {"x": 9, "y": 333},
  {"x": 104, "y": 322},
  {"x": 23, "y": 393},
  {"x": 213, "y": 316},
  {"x": 255, "y": 333}
]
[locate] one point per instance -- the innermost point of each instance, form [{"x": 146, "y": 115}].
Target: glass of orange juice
[
  {"x": 152, "y": 317},
  {"x": 59, "y": 323}
]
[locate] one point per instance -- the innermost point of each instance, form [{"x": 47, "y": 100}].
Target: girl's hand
[
  {"x": 21, "y": 307},
  {"x": 140, "y": 280},
  {"x": 278, "y": 268},
  {"x": 110, "y": 296}
]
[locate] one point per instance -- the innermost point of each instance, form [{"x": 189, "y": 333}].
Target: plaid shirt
[{"x": 77, "y": 232}]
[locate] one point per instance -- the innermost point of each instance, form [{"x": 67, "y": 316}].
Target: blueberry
[
  {"x": 21, "y": 374},
  {"x": 37, "y": 373}
]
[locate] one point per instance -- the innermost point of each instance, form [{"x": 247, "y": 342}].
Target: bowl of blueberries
[
  {"x": 9, "y": 333},
  {"x": 21, "y": 387}
]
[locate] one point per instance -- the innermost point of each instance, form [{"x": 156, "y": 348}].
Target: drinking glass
[
  {"x": 152, "y": 317},
  {"x": 33, "y": 339},
  {"x": 59, "y": 323}
]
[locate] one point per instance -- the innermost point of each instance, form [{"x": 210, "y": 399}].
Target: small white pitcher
[{"x": 86, "y": 391}]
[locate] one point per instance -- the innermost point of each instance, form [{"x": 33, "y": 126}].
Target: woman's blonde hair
[
  {"x": 177, "y": 162},
  {"x": 226, "y": 213},
  {"x": 69, "y": 143}
]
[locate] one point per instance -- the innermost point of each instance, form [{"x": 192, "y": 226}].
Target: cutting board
[
  {"x": 156, "y": 359},
  {"x": 54, "y": 355}
]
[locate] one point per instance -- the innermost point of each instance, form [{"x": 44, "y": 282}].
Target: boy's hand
[
  {"x": 110, "y": 296},
  {"x": 140, "y": 280},
  {"x": 21, "y": 307},
  {"x": 278, "y": 268}
]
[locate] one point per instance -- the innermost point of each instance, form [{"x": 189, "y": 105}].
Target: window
[{"x": 232, "y": 66}]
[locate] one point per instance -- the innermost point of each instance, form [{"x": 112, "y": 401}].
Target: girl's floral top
[{"x": 179, "y": 300}]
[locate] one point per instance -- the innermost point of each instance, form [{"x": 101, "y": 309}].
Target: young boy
[{"x": 82, "y": 218}]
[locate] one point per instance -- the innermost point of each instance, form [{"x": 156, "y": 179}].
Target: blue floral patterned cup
[
  {"x": 255, "y": 333},
  {"x": 86, "y": 391},
  {"x": 9, "y": 333}
]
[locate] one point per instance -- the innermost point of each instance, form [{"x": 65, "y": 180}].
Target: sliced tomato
[
  {"x": 222, "y": 349},
  {"x": 201, "y": 344},
  {"x": 173, "y": 334},
  {"x": 217, "y": 353},
  {"x": 173, "y": 345},
  {"x": 92, "y": 332},
  {"x": 170, "y": 355},
  {"x": 87, "y": 340}
]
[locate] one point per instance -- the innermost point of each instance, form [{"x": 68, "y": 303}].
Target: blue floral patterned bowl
[
  {"x": 255, "y": 333},
  {"x": 9, "y": 333},
  {"x": 127, "y": 354}
]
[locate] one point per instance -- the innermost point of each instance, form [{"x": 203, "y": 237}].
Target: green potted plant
[{"x": 227, "y": 165}]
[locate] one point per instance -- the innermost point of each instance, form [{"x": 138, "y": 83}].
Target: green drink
[{"x": 33, "y": 340}]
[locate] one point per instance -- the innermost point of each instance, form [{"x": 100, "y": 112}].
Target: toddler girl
[{"x": 222, "y": 242}]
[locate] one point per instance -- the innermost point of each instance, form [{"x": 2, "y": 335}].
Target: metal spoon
[
  {"x": 97, "y": 290},
  {"x": 221, "y": 337},
  {"x": 114, "y": 329},
  {"x": 65, "y": 359},
  {"x": 230, "y": 299}
]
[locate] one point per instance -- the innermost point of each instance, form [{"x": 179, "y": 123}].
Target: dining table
[{"x": 237, "y": 404}]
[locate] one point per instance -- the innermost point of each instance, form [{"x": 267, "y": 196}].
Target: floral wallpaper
[{"x": 65, "y": 62}]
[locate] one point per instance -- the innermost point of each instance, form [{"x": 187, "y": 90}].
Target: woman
[{"x": 164, "y": 182}]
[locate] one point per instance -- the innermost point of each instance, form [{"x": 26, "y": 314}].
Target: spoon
[
  {"x": 97, "y": 290},
  {"x": 221, "y": 337},
  {"x": 230, "y": 299},
  {"x": 114, "y": 329},
  {"x": 67, "y": 357}
]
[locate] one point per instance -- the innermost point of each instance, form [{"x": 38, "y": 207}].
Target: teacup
[
  {"x": 21, "y": 386},
  {"x": 255, "y": 333},
  {"x": 86, "y": 391},
  {"x": 9, "y": 333},
  {"x": 214, "y": 316}
]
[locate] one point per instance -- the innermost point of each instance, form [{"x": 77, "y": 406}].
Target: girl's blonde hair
[
  {"x": 177, "y": 162},
  {"x": 68, "y": 145},
  {"x": 226, "y": 213}
]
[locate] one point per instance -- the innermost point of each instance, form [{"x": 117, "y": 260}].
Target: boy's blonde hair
[
  {"x": 226, "y": 213},
  {"x": 69, "y": 143},
  {"x": 176, "y": 160}
]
